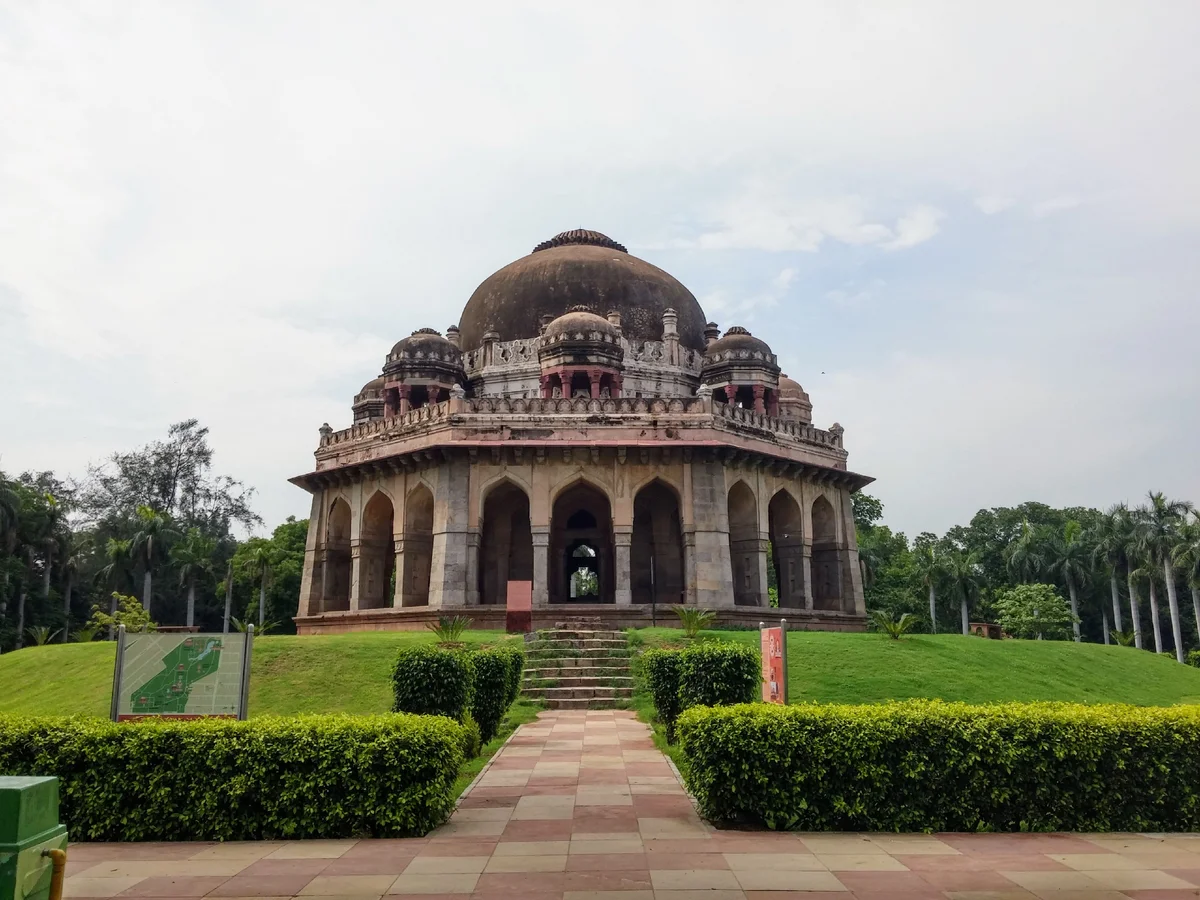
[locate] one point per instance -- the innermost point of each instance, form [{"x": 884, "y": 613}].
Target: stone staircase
[{"x": 578, "y": 664}]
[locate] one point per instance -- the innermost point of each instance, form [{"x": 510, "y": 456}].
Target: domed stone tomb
[{"x": 585, "y": 431}]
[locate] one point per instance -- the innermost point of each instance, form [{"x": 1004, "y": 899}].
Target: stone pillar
[
  {"x": 473, "y": 598},
  {"x": 358, "y": 577},
  {"x": 402, "y": 390},
  {"x": 391, "y": 402},
  {"x": 689, "y": 567},
  {"x": 403, "y": 575},
  {"x": 713, "y": 579},
  {"x": 853, "y": 596},
  {"x": 790, "y": 563},
  {"x": 731, "y": 394},
  {"x": 806, "y": 571},
  {"x": 616, "y": 385},
  {"x": 594, "y": 383},
  {"x": 759, "y": 392},
  {"x": 541, "y": 565},
  {"x": 670, "y": 322},
  {"x": 311, "y": 595},
  {"x": 622, "y": 539},
  {"x": 448, "y": 566},
  {"x": 546, "y": 389},
  {"x": 773, "y": 403},
  {"x": 764, "y": 595}
]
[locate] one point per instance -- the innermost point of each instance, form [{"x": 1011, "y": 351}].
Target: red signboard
[
  {"x": 774, "y": 672},
  {"x": 519, "y": 613}
]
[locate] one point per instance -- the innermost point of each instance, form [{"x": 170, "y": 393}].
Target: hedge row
[
  {"x": 710, "y": 674},
  {"x": 267, "y": 778},
  {"x": 930, "y": 766},
  {"x": 470, "y": 687}
]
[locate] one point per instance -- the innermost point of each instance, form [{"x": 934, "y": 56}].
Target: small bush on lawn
[
  {"x": 472, "y": 739},
  {"x": 930, "y": 766},
  {"x": 515, "y": 655},
  {"x": 717, "y": 674},
  {"x": 220, "y": 780},
  {"x": 432, "y": 681},
  {"x": 1193, "y": 658},
  {"x": 660, "y": 671},
  {"x": 489, "y": 699}
]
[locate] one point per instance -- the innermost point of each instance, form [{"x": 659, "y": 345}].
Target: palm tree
[
  {"x": 929, "y": 569},
  {"x": 964, "y": 578},
  {"x": 1158, "y": 534},
  {"x": 11, "y": 505},
  {"x": 1186, "y": 555},
  {"x": 154, "y": 530},
  {"x": 1023, "y": 556},
  {"x": 1144, "y": 571},
  {"x": 193, "y": 555},
  {"x": 72, "y": 557},
  {"x": 49, "y": 541},
  {"x": 1068, "y": 555},
  {"x": 119, "y": 554},
  {"x": 258, "y": 564},
  {"x": 1109, "y": 544}
]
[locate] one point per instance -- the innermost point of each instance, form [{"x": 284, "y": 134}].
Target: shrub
[
  {"x": 449, "y": 629},
  {"x": 717, "y": 674},
  {"x": 693, "y": 619},
  {"x": 432, "y": 681},
  {"x": 489, "y": 699},
  {"x": 222, "y": 780},
  {"x": 660, "y": 672},
  {"x": 515, "y": 657},
  {"x": 1030, "y": 610},
  {"x": 1193, "y": 658},
  {"x": 472, "y": 739},
  {"x": 894, "y": 628},
  {"x": 930, "y": 766}
]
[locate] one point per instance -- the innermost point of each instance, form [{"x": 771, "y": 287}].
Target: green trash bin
[{"x": 29, "y": 826}]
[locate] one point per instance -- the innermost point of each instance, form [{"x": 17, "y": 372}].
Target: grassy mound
[{"x": 349, "y": 673}]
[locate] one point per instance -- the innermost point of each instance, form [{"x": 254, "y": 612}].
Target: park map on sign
[{"x": 182, "y": 675}]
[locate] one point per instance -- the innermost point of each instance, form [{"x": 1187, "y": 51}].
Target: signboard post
[
  {"x": 774, "y": 662},
  {"x": 181, "y": 676},
  {"x": 518, "y": 617}
]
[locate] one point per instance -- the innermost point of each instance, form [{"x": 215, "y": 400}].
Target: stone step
[
  {"x": 578, "y": 681},
  {"x": 578, "y": 693},
  {"x": 568, "y": 671},
  {"x": 572, "y": 703},
  {"x": 581, "y": 633},
  {"x": 578, "y": 644}
]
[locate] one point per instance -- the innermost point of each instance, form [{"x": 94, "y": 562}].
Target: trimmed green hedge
[
  {"x": 489, "y": 697},
  {"x": 515, "y": 654},
  {"x": 931, "y": 766},
  {"x": 1193, "y": 658},
  {"x": 433, "y": 681},
  {"x": 267, "y": 778},
  {"x": 710, "y": 674}
]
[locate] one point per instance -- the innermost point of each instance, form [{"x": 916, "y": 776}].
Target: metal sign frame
[{"x": 783, "y": 654}]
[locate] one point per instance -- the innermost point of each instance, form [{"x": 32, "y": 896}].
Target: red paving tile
[{"x": 618, "y": 856}]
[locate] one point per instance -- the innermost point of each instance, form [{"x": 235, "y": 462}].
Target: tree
[
  {"x": 149, "y": 543},
  {"x": 1023, "y": 557},
  {"x": 1034, "y": 611},
  {"x": 963, "y": 577},
  {"x": 1109, "y": 544},
  {"x": 258, "y": 562},
  {"x": 930, "y": 571},
  {"x": 194, "y": 557},
  {"x": 867, "y": 509},
  {"x": 119, "y": 554},
  {"x": 1068, "y": 555},
  {"x": 1158, "y": 534},
  {"x": 125, "y": 611},
  {"x": 1186, "y": 555},
  {"x": 74, "y": 553}
]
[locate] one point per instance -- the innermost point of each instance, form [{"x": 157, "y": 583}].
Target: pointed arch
[
  {"x": 377, "y": 560},
  {"x": 826, "y": 563},
  {"x": 506, "y": 541},
  {"x": 656, "y": 550},
  {"x": 335, "y": 564},
  {"x": 581, "y": 545},
  {"x": 744, "y": 545},
  {"x": 786, "y": 532},
  {"x": 414, "y": 549}
]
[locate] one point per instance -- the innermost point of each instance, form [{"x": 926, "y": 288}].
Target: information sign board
[{"x": 774, "y": 662}]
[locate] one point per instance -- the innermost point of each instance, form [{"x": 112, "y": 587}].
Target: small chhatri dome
[
  {"x": 373, "y": 388},
  {"x": 583, "y": 237},
  {"x": 579, "y": 322},
  {"x": 425, "y": 339},
  {"x": 739, "y": 340}
]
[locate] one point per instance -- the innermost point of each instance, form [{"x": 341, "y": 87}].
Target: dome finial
[{"x": 580, "y": 236}]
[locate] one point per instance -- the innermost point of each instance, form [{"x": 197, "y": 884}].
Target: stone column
[
  {"x": 403, "y": 392},
  {"x": 391, "y": 402},
  {"x": 759, "y": 392},
  {"x": 622, "y": 539},
  {"x": 358, "y": 577},
  {"x": 473, "y": 598},
  {"x": 713, "y": 578},
  {"x": 546, "y": 388},
  {"x": 448, "y": 567},
  {"x": 403, "y": 575},
  {"x": 853, "y": 595},
  {"x": 594, "y": 383},
  {"x": 689, "y": 567},
  {"x": 616, "y": 385},
  {"x": 806, "y": 562},
  {"x": 731, "y": 394},
  {"x": 311, "y": 590},
  {"x": 541, "y": 565},
  {"x": 773, "y": 403}
]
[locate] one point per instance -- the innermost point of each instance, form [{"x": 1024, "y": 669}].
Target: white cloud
[
  {"x": 990, "y": 204},
  {"x": 915, "y": 228}
]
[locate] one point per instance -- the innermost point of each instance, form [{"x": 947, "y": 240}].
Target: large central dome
[{"x": 580, "y": 268}]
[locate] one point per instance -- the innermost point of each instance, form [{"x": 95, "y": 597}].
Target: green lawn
[
  {"x": 868, "y": 668},
  {"x": 350, "y": 672}
]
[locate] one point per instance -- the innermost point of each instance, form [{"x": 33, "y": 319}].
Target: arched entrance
[
  {"x": 415, "y": 548},
  {"x": 787, "y": 549},
  {"x": 581, "y": 554},
  {"x": 335, "y": 573},
  {"x": 656, "y": 551},
  {"x": 506, "y": 543},
  {"x": 826, "y": 565},
  {"x": 377, "y": 558},
  {"x": 744, "y": 545}
]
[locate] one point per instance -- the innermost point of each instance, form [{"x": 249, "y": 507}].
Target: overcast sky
[{"x": 970, "y": 230}]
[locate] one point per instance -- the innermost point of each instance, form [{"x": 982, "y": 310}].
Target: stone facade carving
[{"x": 615, "y": 473}]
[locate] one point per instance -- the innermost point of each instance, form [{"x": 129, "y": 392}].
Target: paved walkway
[{"x": 580, "y": 806}]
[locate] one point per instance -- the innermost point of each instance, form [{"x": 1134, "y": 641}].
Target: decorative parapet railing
[
  {"x": 458, "y": 411},
  {"x": 524, "y": 352}
]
